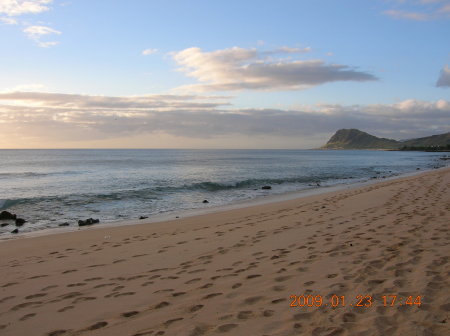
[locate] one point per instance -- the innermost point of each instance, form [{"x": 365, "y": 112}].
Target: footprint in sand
[
  {"x": 35, "y": 296},
  {"x": 195, "y": 308},
  {"x": 97, "y": 325},
  {"x": 48, "y": 287},
  {"x": 65, "y": 308},
  {"x": 162, "y": 305},
  {"x": 130, "y": 314},
  {"x": 7, "y": 298},
  {"x": 57, "y": 332},
  {"x": 26, "y": 304},
  {"x": 268, "y": 313},
  {"x": 93, "y": 279},
  {"x": 252, "y": 276},
  {"x": 26, "y": 317},
  {"x": 84, "y": 298},
  {"x": 192, "y": 281},
  {"x": 212, "y": 295},
  {"x": 169, "y": 322},
  {"x": 125, "y": 294},
  {"x": 226, "y": 327},
  {"x": 79, "y": 284},
  {"x": 245, "y": 315}
]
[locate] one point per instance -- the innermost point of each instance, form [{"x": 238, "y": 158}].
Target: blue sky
[{"x": 261, "y": 73}]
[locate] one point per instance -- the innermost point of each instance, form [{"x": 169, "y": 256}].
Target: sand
[{"x": 239, "y": 272}]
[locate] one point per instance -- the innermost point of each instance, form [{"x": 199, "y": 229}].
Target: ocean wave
[
  {"x": 257, "y": 183},
  {"x": 7, "y": 203},
  {"x": 157, "y": 192},
  {"x": 35, "y": 174}
]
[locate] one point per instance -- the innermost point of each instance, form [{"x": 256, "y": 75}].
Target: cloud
[
  {"x": 37, "y": 32},
  {"x": 117, "y": 104},
  {"x": 20, "y": 7},
  {"x": 147, "y": 52},
  {"x": 420, "y": 10},
  {"x": 399, "y": 14},
  {"x": 8, "y": 20},
  {"x": 290, "y": 50},
  {"x": 69, "y": 117},
  {"x": 29, "y": 87},
  {"x": 23, "y": 7},
  {"x": 444, "y": 78},
  {"x": 247, "y": 69}
]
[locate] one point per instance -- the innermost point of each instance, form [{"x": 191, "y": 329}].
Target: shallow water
[{"x": 50, "y": 187}]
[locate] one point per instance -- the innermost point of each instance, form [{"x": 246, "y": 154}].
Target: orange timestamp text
[{"x": 363, "y": 301}]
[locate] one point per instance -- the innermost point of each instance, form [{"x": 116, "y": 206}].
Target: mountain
[
  {"x": 356, "y": 139},
  {"x": 434, "y": 140}
]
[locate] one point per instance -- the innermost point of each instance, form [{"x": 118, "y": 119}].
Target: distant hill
[
  {"x": 356, "y": 139},
  {"x": 434, "y": 140}
]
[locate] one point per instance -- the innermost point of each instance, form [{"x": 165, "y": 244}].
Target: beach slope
[{"x": 250, "y": 271}]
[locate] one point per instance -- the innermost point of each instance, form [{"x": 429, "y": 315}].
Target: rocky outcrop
[
  {"x": 7, "y": 215},
  {"x": 89, "y": 221}
]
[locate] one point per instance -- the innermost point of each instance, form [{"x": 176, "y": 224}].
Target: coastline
[
  {"x": 240, "y": 204},
  {"x": 234, "y": 272}
]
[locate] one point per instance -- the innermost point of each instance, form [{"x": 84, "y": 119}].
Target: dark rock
[
  {"x": 417, "y": 168},
  {"x": 64, "y": 224},
  {"x": 266, "y": 187},
  {"x": 4, "y": 224},
  {"x": 20, "y": 221},
  {"x": 88, "y": 221},
  {"x": 205, "y": 201},
  {"x": 15, "y": 231},
  {"x": 318, "y": 184},
  {"x": 143, "y": 217},
  {"x": 7, "y": 215}
]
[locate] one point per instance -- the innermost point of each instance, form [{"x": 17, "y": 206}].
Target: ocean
[{"x": 52, "y": 187}]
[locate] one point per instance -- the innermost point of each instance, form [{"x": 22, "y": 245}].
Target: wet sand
[{"x": 245, "y": 271}]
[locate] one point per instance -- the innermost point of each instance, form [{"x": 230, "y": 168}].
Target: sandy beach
[{"x": 370, "y": 260}]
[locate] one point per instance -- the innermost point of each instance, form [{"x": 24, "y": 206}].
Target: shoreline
[
  {"x": 243, "y": 271},
  {"x": 239, "y": 204}
]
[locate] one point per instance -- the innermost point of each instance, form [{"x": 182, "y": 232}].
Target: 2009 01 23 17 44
[{"x": 364, "y": 301}]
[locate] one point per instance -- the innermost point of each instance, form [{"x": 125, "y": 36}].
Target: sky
[{"x": 220, "y": 74}]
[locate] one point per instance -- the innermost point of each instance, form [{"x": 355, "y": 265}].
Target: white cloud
[
  {"x": 29, "y": 87},
  {"x": 444, "y": 78},
  {"x": 83, "y": 117},
  {"x": 293, "y": 50},
  {"x": 150, "y": 51},
  {"x": 400, "y": 14},
  {"x": 20, "y": 7},
  {"x": 47, "y": 44},
  {"x": 23, "y": 7},
  {"x": 8, "y": 20},
  {"x": 420, "y": 10},
  {"x": 37, "y": 32},
  {"x": 240, "y": 69}
]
